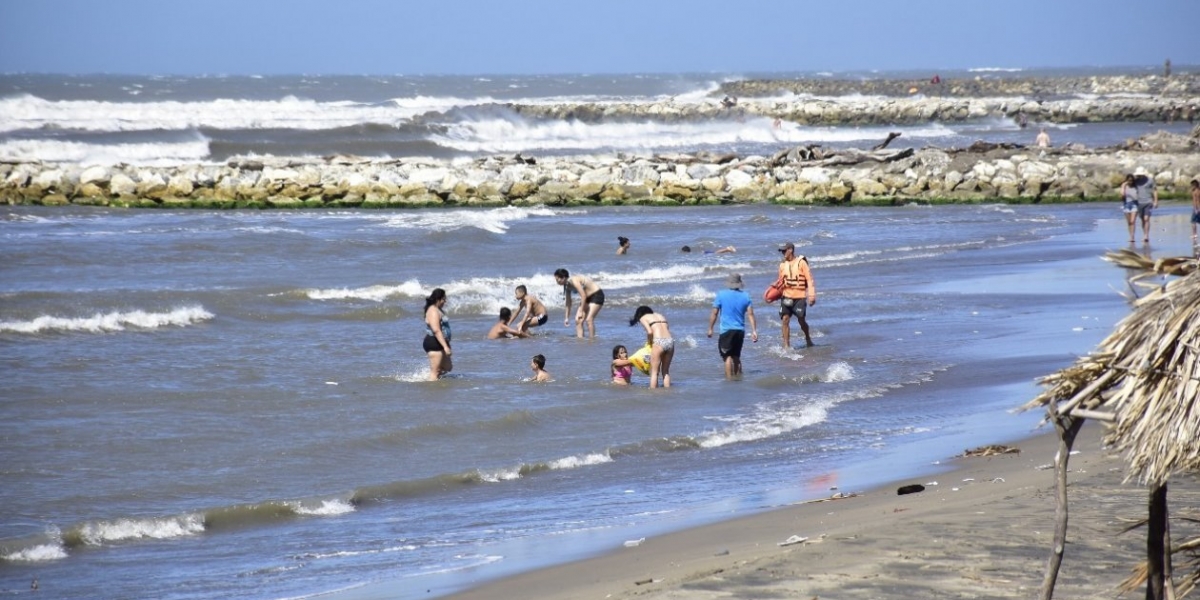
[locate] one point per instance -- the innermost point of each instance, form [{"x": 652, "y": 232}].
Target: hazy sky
[{"x": 572, "y": 36}]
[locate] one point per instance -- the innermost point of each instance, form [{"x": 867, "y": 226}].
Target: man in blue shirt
[{"x": 733, "y": 307}]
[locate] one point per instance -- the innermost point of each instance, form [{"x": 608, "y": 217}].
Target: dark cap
[{"x": 787, "y": 246}]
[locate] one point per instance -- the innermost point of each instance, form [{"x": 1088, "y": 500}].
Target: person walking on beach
[
  {"x": 591, "y": 300},
  {"x": 1147, "y": 195},
  {"x": 622, "y": 244},
  {"x": 662, "y": 345},
  {"x": 535, "y": 311},
  {"x": 437, "y": 335},
  {"x": 1195, "y": 208},
  {"x": 1129, "y": 204},
  {"x": 798, "y": 286},
  {"x": 501, "y": 330},
  {"x": 733, "y": 307}
]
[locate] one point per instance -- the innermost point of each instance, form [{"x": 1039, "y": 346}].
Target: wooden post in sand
[
  {"x": 1158, "y": 547},
  {"x": 1068, "y": 427}
]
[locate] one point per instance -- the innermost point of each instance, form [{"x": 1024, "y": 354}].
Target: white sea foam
[
  {"x": 574, "y": 462},
  {"x": 515, "y": 135},
  {"x": 995, "y": 70},
  {"x": 113, "y": 321},
  {"x": 38, "y": 553},
  {"x": 326, "y": 508},
  {"x": 375, "y": 293},
  {"x": 148, "y": 154},
  {"x": 838, "y": 372},
  {"x": 495, "y": 220},
  {"x": 100, "y": 532},
  {"x": 498, "y": 475},
  {"x": 290, "y": 112}
]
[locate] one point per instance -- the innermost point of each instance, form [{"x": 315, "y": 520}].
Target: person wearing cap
[
  {"x": 798, "y": 286},
  {"x": 733, "y": 307},
  {"x": 1147, "y": 195}
]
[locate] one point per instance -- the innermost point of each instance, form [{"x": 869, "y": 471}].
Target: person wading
[{"x": 798, "y": 287}]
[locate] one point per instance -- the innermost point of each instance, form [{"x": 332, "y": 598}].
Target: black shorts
[
  {"x": 793, "y": 306},
  {"x": 596, "y": 298},
  {"x": 538, "y": 322},
  {"x": 730, "y": 343},
  {"x": 431, "y": 344}
]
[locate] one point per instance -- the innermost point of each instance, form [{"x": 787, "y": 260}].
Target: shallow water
[{"x": 209, "y": 404}]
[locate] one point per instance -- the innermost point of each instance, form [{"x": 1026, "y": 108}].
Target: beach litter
[
  {"x": 634, "y": 543},
  {"x": 793, "y": 540},
  {"x": 991, "y": 450},
  {"x": 910, "y": 489}
]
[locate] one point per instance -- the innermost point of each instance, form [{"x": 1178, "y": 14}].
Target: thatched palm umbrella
[{"x": 1144, "y": 381}]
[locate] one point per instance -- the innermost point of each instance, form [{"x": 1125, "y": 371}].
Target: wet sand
[{"x": 983, "y": 531}]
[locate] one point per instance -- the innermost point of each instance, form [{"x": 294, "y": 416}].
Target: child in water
[
  {"x": 622, "y": 368},
  {"x": 538, "y": 364}
]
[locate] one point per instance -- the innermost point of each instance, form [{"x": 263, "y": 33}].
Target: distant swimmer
[
  {"x": 622, "y": 244},
  {"x": 723, "y": 250},
  {"x": 729, "y": 101},
  {"x": 590, "y": 303},
  {"x": 1043, "y": 139},
  {"x": 501, "y": 330},
  {"x": 538, "y": 365},
  {"x": 535, "y": 311}
]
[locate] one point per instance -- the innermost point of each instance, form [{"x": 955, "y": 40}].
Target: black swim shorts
[
  {"x": 431, "y": 344},
  {"x": 596, "y": 298},
  {"x": 793, "y": 306},
  {"x": 730, "y": 343},
  {"x": 540, "y": 321}
]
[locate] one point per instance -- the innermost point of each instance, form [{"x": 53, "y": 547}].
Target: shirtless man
[
  {"x": 535, "y": 311},
  {"x": 501, "y": 330},
  {"x": 590, "y": 303},
  {"x": 1043, "y": 139}
]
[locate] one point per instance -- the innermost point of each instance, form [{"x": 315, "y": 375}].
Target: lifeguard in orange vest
[{"x": 799, "y": 292}]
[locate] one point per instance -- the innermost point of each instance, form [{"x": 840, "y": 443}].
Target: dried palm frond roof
[{"x": 1145, "y": 374}]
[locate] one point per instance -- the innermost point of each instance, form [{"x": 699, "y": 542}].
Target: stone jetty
[{"x": 803, "y": 175}]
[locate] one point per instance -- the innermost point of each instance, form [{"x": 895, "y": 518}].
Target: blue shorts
[
  {"x": 1144, "y": 210},
  {"x": 1196, "y": 218},
  {"x": 1129, "y": 208}
]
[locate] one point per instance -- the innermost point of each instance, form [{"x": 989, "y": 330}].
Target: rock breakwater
[{"x": 982, "y": 173}]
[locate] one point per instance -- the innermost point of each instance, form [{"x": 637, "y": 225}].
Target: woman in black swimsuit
[{"x": 437, "y": 335}]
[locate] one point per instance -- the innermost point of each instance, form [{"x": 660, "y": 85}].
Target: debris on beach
[
  {"x": 910, "y": 489},
  {"x": 991, "y": 450},
  {"x": 837, "y": 496},
  {"x": 634, "y": 543},
  {"x": 793, "y": 540}
]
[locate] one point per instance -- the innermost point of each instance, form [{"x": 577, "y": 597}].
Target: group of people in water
[{"x": 732, "y": 308}]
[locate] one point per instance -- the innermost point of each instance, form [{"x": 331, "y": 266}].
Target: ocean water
[
  {"x": 162, "y": 120},
  {"x": 232, "y": 404}
]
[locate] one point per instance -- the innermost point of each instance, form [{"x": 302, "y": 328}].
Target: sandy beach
[{"x": 982, "y": 531}]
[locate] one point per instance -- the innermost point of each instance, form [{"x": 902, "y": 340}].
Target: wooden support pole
[
  {"x": 1158, "y": 548},
  {"x": 1067, "y": 428}
]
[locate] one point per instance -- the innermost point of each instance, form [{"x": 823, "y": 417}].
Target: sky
[{"x": 468, "y": 37}]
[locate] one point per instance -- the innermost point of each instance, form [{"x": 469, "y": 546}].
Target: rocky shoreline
[{"x": 803, "y": 175}]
